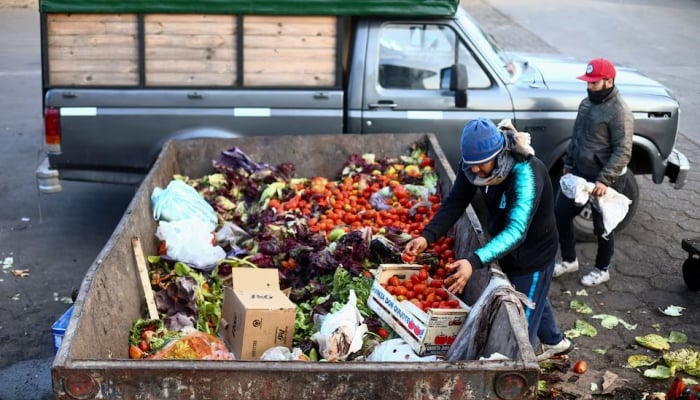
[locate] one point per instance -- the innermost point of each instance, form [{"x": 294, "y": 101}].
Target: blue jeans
[
  {"x": 566, "y": 210},
  {"x": 540, "y": 320}
]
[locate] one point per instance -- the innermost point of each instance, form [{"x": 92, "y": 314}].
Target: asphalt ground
[{"x": 646, "y": 275}]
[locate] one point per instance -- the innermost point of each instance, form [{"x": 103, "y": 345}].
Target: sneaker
[
  {"x": 565, "y": 267},
  {"x": 553, "y": 350},
  {"x": 595, "y": 277}
]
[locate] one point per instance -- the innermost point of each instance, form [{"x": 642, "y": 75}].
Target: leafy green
[
  {"x": 687, "y": 360},
  {"x": 639, "y": 360},
  {"x": 582, "y": 328},
  {"x": 611, "y": 321},
  {"x": 653, "y": 341},
  {"x": 677, "y": 337},
  {"x": 673, "y": 311},
  {"x": 660, "y": 372},
  {"x": 580, "y": 307}
]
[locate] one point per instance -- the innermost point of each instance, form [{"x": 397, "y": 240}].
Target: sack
[{"x": 180, "y": 201}]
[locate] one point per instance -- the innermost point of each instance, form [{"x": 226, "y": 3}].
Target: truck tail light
[{"x": 52, "y": 129}]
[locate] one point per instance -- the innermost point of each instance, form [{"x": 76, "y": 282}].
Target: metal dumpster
[{"x": 92, "y": 361}]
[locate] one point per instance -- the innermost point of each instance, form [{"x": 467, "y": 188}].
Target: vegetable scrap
[{"x": 325, "y": 237}]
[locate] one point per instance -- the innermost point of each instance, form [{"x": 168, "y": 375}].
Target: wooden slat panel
[
  {"x": 93, "y": 53},
  {"x": 183, "y": 79},
  {"x": 281, "y": 42},
  {"x": 289, "y": 51},
  {"x": 184, "y": 50},
  {"x": 289, "y": 79},
  {"x": 92, "y": 78},
  {"x": 86, "y": 49}
]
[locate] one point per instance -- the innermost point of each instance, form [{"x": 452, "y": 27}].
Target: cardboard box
[
  {"x": 58, "y": 329},
  {"x": 256, "y": 315},
  {"x": 428, "y": 333}
]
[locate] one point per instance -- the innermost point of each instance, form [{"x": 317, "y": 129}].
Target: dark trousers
[
  {"x": 566, "y": 210},
  {"x": 540, "y": 320}
]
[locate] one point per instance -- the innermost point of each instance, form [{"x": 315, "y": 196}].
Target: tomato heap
[
  {"x": 421, "y": 290},
  {"x": 345, "y": 204}
]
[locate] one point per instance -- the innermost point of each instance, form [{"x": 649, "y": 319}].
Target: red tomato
[
  {"x": 394, "y": 281},
  {"x": 437, "y": 283},
  {"x": 423, "y": 275},
  {"x": 420, "y": 288},
  {"x": 383, "y": 333},
  {"x": 408, "y": 258},
  {"x": 442, "y": 293}
]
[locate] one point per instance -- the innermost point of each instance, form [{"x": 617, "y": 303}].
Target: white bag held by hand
[
  {"x": 190, "y": 241},
  {"x": 613, "y": 206},
  {"x": 576, "y": 188},
  {"x": 180, "y": 201}
]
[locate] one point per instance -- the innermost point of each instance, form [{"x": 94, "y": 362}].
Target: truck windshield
[{"x": 486, "y": 44}]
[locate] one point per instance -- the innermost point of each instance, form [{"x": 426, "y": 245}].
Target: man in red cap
[{"x": 600, "y": 148}]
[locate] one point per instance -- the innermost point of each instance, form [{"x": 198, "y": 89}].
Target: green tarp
[{"x": 260, "y": 7}]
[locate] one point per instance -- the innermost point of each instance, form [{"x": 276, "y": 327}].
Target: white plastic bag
[
  {"x": 179, "y": 201},
  {"x": 340, "y": 333},
  {"x": 396, "y": 350},
  {"x": 613, "y": 207},
  {"x": 190, "y": 241},
  {"x": 576, "y": 188},
  {"x": 281, "y": 353}
]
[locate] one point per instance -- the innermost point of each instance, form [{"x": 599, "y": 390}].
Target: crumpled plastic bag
[
  {"x": 180, "y": 201},
  {"x": 396, "y": 350},
  {"x": 576, "y": 188},
  {"x": 613, "y": 206},
  {"x": 340, "y": 333},
  {"x": 190, "y": 241},
  {"x": 281, "y": 353},
  {"x": 195, "y": 345}
]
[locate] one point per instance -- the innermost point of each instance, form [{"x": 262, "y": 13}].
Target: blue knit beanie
[{"x": 481, "y": 141}]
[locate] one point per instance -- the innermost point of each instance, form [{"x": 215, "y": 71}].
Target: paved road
[{"x": 57, "y": 237}]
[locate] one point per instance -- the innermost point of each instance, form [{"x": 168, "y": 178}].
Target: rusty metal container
[{"x": 92, "y": 361}]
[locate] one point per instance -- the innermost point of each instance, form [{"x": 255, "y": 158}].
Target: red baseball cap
[{"x": 598, "y": 69}]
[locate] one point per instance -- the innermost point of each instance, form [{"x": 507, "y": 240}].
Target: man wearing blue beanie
[{"x": 519, "y": 199}]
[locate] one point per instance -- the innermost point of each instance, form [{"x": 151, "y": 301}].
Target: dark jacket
[
  {"x": 601, "y": 145},
  {"x": 520, "y": 218}
]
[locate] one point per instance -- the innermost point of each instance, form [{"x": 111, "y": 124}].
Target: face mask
[{"x": 598, "y": 96}]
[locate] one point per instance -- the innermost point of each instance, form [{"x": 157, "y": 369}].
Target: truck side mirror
[{"x": 454, "y": 78}]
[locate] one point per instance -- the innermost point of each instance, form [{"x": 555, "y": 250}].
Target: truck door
[{"x": 403, "y": 89}]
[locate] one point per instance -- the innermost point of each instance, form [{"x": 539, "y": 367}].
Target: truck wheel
[
  {"x": 583, "y": 223},
  {"x": 691, "y": 273}
]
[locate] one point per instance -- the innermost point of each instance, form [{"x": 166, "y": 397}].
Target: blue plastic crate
[{"x": 58, "y": 329}]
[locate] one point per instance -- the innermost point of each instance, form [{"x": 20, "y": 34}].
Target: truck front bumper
[{"x": 677, "y": 167}]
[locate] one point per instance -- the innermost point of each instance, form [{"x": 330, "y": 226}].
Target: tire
[{"x": 583, "y": 223}]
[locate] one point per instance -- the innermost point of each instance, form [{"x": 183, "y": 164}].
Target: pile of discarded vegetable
[{"x": 324, "y": 237}]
